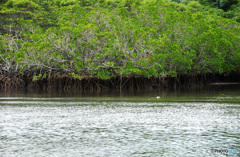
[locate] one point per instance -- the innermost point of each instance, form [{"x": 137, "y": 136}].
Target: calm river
[{"x": 189, "y": 123}]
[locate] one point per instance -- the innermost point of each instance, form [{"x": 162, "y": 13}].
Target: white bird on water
[{"x": 158, "y": 97}]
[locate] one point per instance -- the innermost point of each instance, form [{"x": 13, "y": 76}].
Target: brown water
[{"x": 181, "y": 123}]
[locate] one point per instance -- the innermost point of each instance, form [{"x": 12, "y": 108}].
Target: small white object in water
[{"x": 158, "y": 97}]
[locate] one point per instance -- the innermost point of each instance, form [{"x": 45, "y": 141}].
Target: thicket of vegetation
[
  {"x": 109, "y": 38},
  {"x": 229, "y": 8},
  {"x": 225, "y": 8}
]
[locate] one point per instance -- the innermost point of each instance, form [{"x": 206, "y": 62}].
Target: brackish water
[{"x": 181, "y": 123}]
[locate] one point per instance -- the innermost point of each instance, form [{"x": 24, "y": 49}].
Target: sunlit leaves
[{"x": 127, "y": 38}]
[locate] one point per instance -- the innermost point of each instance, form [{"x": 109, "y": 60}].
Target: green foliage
[
  {"x": 108, "y": 38},
  {"x": 76, "y": 76},
  {"x": 39, "y": 76},
  {"x": 230, "y": 8}
]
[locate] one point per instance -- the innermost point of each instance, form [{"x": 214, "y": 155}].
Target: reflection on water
[{"x": 186, "y": 124}]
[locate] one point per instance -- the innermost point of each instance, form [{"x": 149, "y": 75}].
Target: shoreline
[{"x": 64, "y": 82}]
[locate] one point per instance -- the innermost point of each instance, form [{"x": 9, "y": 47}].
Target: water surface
[{"x": 189, "y": 123}]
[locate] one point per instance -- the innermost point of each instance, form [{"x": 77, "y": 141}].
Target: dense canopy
[{"x": 108, "y": 38}]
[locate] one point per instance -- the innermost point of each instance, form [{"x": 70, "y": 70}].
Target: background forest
[{"x": 109, "y": 38}]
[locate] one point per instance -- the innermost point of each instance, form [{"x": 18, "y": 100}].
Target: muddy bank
[{"x": 66, "y": 82}]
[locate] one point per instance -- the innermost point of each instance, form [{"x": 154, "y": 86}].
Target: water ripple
[{"x": 52, "y": 128}]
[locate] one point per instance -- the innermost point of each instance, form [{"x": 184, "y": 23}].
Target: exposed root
[
  {"x": 11, "y": 82},
  {"x": 66, "y": 82}
]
